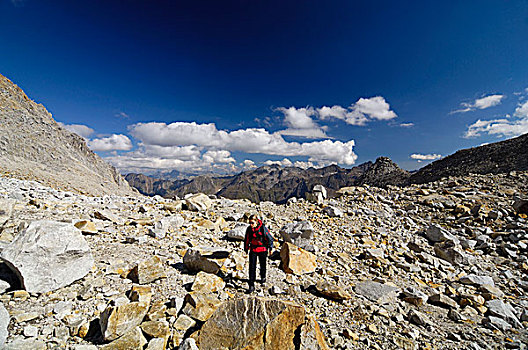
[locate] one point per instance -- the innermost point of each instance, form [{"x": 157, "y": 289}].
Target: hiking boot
[{"x": 250, "y": 290}]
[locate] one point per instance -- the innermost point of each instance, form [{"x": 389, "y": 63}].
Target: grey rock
[
  {"x": 321, "y": 189},
  {"x": 477, "y": 280},
  {"x": 4, "y": 286},
  {"x": 377, "y": 292},
  {"x": 30, "y": 331},
  {"x": 238, "y": 232},
  {"x": 499, "y": 308},
  {"x": 26, "y": 344},
  {"x": 198, "y": 202},
  {"x": 496, "y": 323},
  {"x": 299, "y": 233},
  {"x": 418, "y": 318},
  {"x": 442, "y": 300},
  {"x": 452, "y": 253},
  {"x": 333, "y": 211},
  {"x": 188, "y": 344},
  {"x": 4, "y": 322},
  {"x": 6, "y": 210},
  {"x": 48, "y": 255},
  {"x": 437, "y": 233}
]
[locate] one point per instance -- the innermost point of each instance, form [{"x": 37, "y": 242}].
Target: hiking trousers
[{"x": 262, "y": 256}]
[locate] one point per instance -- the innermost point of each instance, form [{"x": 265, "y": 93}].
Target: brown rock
[
  {"x": 297, "y": 260},
  {"x": 86, "y": 226},
  {"x": 331, "y": 291},
  {"x": 207, "y": 283},
  {"x": 148, "y": 271},
  {"x": 116, "y": 321},
  {"x": 156, "y": 329},
  {"x": 200, "y": 306},
  {"x": 141, "y": 294},
  {"x": 133, "y": 339}
]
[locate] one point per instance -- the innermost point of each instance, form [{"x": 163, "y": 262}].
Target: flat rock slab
[
  {"x": 477, "y": 280},
  {"x": 48, "y": 255},
  {"x": 253, "y": 323},
  {"x": 377, "y": 292}
]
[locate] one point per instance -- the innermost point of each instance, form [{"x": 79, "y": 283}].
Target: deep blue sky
[{"x": 110, "y": 65}]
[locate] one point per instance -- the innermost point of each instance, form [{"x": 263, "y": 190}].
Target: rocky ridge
[
  {"x": 493, "y": 158},
  {"x": 441, "y": 265},
  {"x": 34, "y": 147}
]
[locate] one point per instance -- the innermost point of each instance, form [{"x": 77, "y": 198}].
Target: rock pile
[{"x": 440, "y": 266}]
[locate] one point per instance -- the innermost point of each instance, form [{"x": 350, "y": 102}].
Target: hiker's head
[{"x": 253, "y": 220}]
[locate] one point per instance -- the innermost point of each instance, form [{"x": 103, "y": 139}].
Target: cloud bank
[
  {"x": 203, "y": 147},
  {"x": 510, "y": 126}
]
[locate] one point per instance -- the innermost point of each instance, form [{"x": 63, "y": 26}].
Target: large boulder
[
  {"x": 198, "y": 202},
  {"x": 299, "y": 233},
  {"x": 296, "y": 260},
  {"x": 266, "y": 324},
  {"x": 207, "y": 283},
  {"x": 48, "y": 255}
]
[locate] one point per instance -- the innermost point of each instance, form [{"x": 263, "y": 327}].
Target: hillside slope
[
  {"x": 35, "y": 147},
  {"x": 493, "y": 158}
]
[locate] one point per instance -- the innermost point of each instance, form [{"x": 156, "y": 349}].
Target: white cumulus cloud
[
  {"x": 116, "y": 142},
  {"x": 299, "y": 123},
  {"x": 284, "y": 163},
  {"x": 81, "y": 130},
  {"x": 480, "y": 103},
  {"x": 509, "y": 126},
  {"x": 421, "y": 157},
  {"x": 359, "y": 113}
]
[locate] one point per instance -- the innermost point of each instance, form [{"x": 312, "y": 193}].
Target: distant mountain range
[{"x": 277, "y": 184}]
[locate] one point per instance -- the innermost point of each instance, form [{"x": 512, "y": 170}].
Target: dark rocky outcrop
[{"x": 493, "y": 158}]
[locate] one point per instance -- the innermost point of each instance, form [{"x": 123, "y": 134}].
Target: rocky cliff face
[
  {"x": 494, "y": 158},
  {"x": 277, "y": 184},
  {"x": 33, "y": 146}
]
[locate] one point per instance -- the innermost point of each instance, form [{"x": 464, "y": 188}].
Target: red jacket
[{"x": 259, "y": 239}]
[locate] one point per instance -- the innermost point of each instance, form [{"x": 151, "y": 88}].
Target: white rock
[{"x": 48, "y": 255}]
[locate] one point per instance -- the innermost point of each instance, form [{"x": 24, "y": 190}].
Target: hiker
[{"x": 259, "y": 243}]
